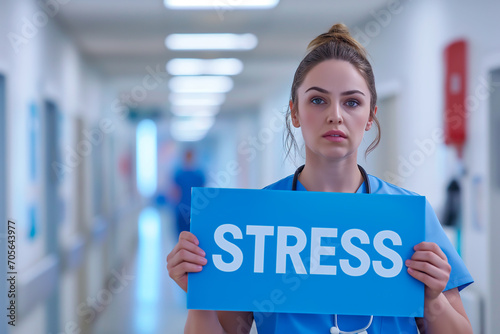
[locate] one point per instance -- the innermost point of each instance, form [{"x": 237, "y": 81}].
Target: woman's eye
[
  {"x": 317, "y": 100},
  {"x": 352, "y": 103}
]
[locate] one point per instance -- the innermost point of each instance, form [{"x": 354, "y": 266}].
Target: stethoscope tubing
[
  {"x": 361, "y": 169},
  {"x": 368, "y": 190}
]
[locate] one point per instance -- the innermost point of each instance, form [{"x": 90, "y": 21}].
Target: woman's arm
[
  {"x": 218, "y": 322},
  {"x": 444, "y": 312},
  {"x": 201, "y": 321},
  {"x": 236, "y": 322}
]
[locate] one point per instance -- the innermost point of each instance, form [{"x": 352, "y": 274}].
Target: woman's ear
[
  {"x": 293, "y": 115},
  {"x": 370, "y": 120}
]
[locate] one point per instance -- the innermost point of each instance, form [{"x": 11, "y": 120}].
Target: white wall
[
  {"x": 225, "y": 168},
  {"x": 251, "y": 140},
  {"x": 274, "y": 165},
  {"x": 48, "y": 65}
]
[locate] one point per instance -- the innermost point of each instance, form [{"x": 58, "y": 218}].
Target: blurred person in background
[{"x": 186, "y": 177}]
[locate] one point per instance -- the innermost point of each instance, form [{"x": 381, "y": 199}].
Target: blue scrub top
[{"x": 291, "y": 323}]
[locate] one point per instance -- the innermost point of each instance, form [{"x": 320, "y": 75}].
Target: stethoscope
[
  {"x": 335, "y": 329},
  {"x": 361, "y": 169}
]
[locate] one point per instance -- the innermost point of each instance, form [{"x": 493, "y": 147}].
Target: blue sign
[{"x": 306, "y": 252}]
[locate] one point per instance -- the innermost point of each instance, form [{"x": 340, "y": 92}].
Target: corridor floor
[{"x": 152, "y": 303}]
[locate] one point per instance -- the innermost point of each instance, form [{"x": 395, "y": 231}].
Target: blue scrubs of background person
[
  {"x": 185, "y": 178},
  {"x": 291, "y": 323}
]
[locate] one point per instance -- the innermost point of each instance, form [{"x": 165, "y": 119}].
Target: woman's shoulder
[
  {"x": 283, "y": 184},
  {"x": 379, "y": 186}
]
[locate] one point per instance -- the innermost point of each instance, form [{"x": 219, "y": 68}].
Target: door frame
[
  {"x": 491, "y": 322},
  {"x": 3, "y": 187}
]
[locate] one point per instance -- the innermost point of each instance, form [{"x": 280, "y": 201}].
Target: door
[
  {"x": 52, "y": 203},
  {"x": 3, "y": 193},
  {"x": 494, "y": 205}
]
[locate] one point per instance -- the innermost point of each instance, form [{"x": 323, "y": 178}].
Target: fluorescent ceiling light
[
  {"x": 192, "y": 66},
  {"x": 201, "y": 111},
  {"x": 220, "y": 4},
  {"x": 190, "y": 99},
  {"x": 211, "y": 42},
  {"x": 187, "y": 124},
  {"x": 190, "y": 128},
  {"x": 202, "y": 84},
  {"x": 190, "y": 137}
]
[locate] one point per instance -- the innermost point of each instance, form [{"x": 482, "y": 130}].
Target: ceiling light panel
[
  {"x": 190, "y": 128},
  {"x": 191, "y": 66},
  {"x": 201, "y": 84},
  {"x": 190, "y": 111},
  {"x": 193, "y": 123},
  {"x": 220, "y": 4},
  {"x": 211, "y": 41},
  {"x": 193, "y": 100}
]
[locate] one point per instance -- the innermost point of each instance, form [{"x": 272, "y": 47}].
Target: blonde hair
[{"x": 338, "y": 44}]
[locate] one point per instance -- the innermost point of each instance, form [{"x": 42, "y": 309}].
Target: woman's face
[{"x": 333, "y": 110}]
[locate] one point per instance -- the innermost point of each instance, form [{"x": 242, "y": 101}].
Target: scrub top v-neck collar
[{"x": 361, "y": 189}]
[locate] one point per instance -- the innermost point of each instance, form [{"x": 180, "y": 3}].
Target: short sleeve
[{"x": 459, "y": 276}]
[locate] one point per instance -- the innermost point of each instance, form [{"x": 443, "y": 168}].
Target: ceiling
[{"x": 122, "y": 37}]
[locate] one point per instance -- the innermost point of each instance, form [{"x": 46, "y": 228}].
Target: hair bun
[
  {"x": 338, "y": 33},
  {"x": 339, "y": 28}
]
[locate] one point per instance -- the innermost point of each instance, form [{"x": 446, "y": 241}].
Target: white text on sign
[{"x": 283, "y": 250}]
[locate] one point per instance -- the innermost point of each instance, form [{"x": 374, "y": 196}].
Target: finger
[
  {"x": 430, "y": 246},
  {"x": 190, "y": 246},
  {"x": 186, "y": 256},
  {"x": 185, "y": 244},
  {"x": 182, "y": 269},
  {"x": 429, "y": 281},
  {"x": 429, "y": 269},
  {"x": 189, "y": 237},
  {"x": 431, "y": 257}
]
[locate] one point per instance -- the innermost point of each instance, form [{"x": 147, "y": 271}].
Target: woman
[{"x": 333, "y": 102}]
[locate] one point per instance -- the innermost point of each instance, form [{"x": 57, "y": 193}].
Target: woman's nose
[{"x": 335, "y": 114}]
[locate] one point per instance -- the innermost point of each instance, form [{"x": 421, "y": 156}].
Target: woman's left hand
[{"x": 430, "y": 266}]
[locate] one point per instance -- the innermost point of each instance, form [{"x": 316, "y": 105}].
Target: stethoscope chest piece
[{"x": 334, "y": 330}]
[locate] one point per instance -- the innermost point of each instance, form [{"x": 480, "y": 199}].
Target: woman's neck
[{"x": 332, "y": 176}]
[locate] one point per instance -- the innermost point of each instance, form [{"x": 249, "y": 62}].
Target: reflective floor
[{"x": 152, "y": 303}]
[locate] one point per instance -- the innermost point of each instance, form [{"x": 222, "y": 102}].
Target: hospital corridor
[{"x": 114, "y": 114}]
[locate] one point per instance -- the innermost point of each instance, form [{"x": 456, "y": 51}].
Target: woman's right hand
[{"x": 186, "y": 257}]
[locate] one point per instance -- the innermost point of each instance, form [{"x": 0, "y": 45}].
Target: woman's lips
[{"x": 335, "y": 136}]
